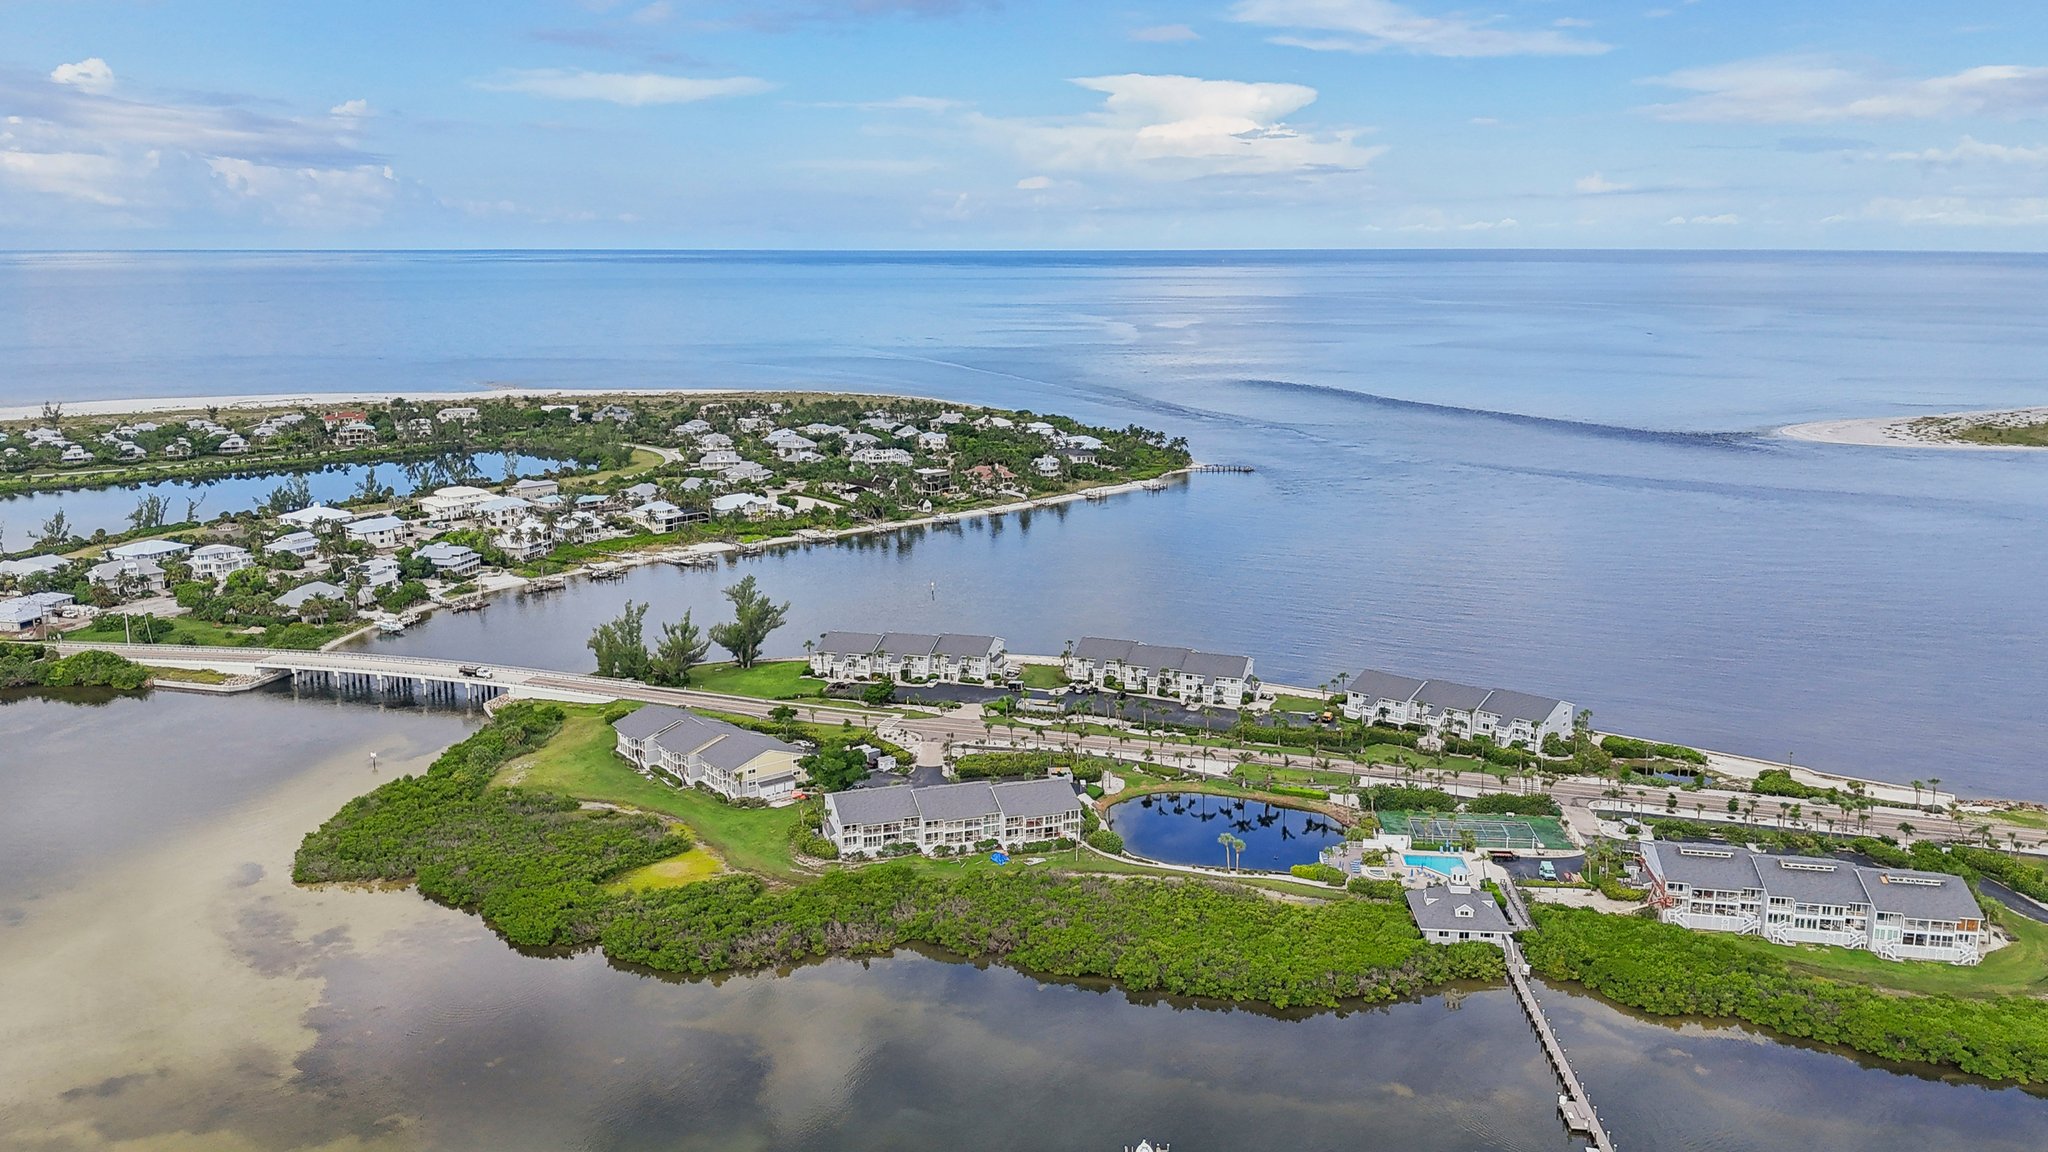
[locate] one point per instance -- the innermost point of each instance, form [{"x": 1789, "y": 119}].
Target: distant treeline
[{"x": 33, "y": 666}]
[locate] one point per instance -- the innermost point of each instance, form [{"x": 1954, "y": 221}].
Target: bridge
[{"x": 1573, "y": 1104}]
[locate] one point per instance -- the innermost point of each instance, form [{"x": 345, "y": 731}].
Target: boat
[
  {"x": 390, "y": 625},
  {"x": 1155, "y": 485},
  {"x": 607, "y": 570}
]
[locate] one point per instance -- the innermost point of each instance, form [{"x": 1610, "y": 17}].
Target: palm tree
[
  {"x": 1225, "y": 838},
  {"x": 1905, "y": 830},
  {"x": 1237, "y": 846},
  {"x": 1917, "y": 785}
]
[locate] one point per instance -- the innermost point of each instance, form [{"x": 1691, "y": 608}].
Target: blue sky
[{"x": 958, "y": 124}]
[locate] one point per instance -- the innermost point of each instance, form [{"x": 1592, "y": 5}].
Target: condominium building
[
  {"x": 957, "y": 817},
  {"x": 950, "y": 656},
  {"x": 692, "y": 749},
  {"x": 1151, "y": 670},
  {"x": 1898, "y": 913},
  {"x": 1504, "y": 716}
]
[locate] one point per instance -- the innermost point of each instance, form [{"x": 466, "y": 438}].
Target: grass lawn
[
  {"x": 641, "y": 462},
  {"x": 1286, "y": 703},
  {"x": 186, "y": 630},
  {"x": 2018, "y": 969},
  {"x": 580, "y": 762},
  {"x": 769, "y": 680},
  {"x": 2025, "y": 817},
  {"x": 674, "y": 872},
  {"x": 1044, "y": 676}
]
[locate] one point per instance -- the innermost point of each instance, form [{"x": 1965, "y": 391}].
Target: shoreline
[
  {"x": 1896, "y": 431},
  {"x": 153, "y": 406}
]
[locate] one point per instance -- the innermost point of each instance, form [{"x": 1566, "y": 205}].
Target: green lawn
[
  {"x": 641, "y": 462},
  {"x": 770, "y": 680},
  {"x": 1286, "y": 703},
  {"x": 674, "y": 872},
  {"x": 2018, "y": 969},
  {"x": 1044, "y": 676},
  {"x": 580, "y": 761},
  {"x": 2025, "y": 817},
  {"x": 187, "y": 630},
  {"x": 188, "y": 675}
]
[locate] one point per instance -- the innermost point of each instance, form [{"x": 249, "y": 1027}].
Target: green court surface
[{"x": 1434, "y": 829}]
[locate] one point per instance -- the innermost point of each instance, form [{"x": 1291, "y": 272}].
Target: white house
[
  {"x": 882, "y": 456},
  {"x": 297, "y": 597},
  {"x": 378, "y": 572},
  {"x": 907, "y": 655},
  {"x": 1900, "y": 914},
  {"x": 73, "y": 454},
  {"x": 315, "y": 516},
  {"x": 454, "y": 504},
  {"x": 957, "y": 817},
  {"x": 693, "y": 749},
  {"x": 502, "y": 511},
  {"x": 31, "y": 566},
  {"x": 380, "y": 532},
  {"x": 1449, "y": 913},
  {"x": 533, "y": 489},
  {"x": 450, "y": 559},
  {"x": 526, "y": 540},
  {"x": 216, "y": 561},
  {"x": 28, "y": 613},
  {"x": 354, "y": 434},
  {"x": 304, "y": 545},
  {"x": 718, "y": 459},
  {"x": 932, "y": 441},
  {"x": 959, "y": 656},
  {"x": 845, "y": 655},
  {"x": 232, "y": 446},
  {"x": 748, "y": 504},
  {"x": 138, "y": 575},
  {"x": 458, "y": 415},
  {"x": 1047, "y": 466},
  {"x": 662, "y": 516},
  {"x": 1151, "y": 670},
  {"x": 160, "y": 551}
]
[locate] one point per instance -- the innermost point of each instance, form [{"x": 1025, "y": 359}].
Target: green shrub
[
  {"x": 1320, "y": 873},
  {"x": 1516, "y": 804},
  {"x": 1106, "y": 840},
  {"x": 1374, "y": 889}
]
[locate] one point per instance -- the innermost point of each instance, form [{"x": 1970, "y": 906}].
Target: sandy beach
[{"x": 1899, "y": 431}]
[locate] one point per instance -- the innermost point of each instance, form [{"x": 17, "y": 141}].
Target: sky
[{"x": 1010, "y": 124}]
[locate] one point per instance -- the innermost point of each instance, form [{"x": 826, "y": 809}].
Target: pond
[
  {"x": 92, "y": 509},
  {"x": 1182, "y": 827}
]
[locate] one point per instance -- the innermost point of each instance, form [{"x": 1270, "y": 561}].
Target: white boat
[{"x": 390, "y": 625}]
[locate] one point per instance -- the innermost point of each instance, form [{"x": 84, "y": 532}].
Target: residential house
[
  {"x": 1047, "y": 466},
  {"x": 20, "y": 614},
  {"x": 1072, "y": 456},
  {"x": 29, "y": 566},
  {"x": 793, "y": 446},
  {"x": 616, "y": 413},
  {"x": 501, "y": 512},
  {"x": 528, "y": 539},
  {"x": 876, "y": 457},
  {"x": 1449, "y": 913},
  {"x": 959, "y": 656},
  {"x": 73, "y": 454},
  {"x": 140, "y": 577},
  {"x": 533, "y": 489},
  {"x": 159, "y": 551},
  {"x": 457, "y": 415},
  {"x": 315, "y": 516},
  {"x": 304, "y": 545},
  {"x": 380, "y": 532},
  {"x": 320, "y": 589},
  {"x": 1503, "y": 716},
  {"x": 233, "y": 445},
  {"x": 1201, "y": 678},
  {"x": 450, "y": 560},
  {"x": 216, "y": 562},
  {"x": 378, "y": 572},
  {"x": 745, "y": 472},
  {"x": 662, "y": 516},
  {"x": 934, "y": 481},
  {"x": 417, "y": 428},
  {"x": 455, "y": 504},
  {"x": 179, "y": 449},
  {"x": 709, "y": 440},
  {"x": 333, "y": 420},
  {"x": 749, "y": 504},
  {"x": 732, "y": 761},
  {"x": 718, "y": 459},
  {"x": 1898, "y": 913},
  {"x": 931, "y": 441},
  {"x": 905, "y": 655},
  {"x": 691, "y": 428},
  {"x": 957, "y": 818},
  {"x": 639, "y": 493}
]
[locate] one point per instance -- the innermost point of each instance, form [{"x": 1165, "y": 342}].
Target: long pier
[{"x": 1572, "y": 1104}]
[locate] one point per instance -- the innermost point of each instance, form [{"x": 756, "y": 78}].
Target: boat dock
[{"x": 1573, "y": 1105}]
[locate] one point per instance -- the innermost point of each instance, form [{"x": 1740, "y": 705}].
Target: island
[{"x": 2011, "y": 428}]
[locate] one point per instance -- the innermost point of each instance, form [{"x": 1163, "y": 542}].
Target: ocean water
[{"x": 1550, "y": 472}]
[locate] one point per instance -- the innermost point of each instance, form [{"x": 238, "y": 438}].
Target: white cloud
[
  {"x": 1430, "y": 220},
  {"x": 88, "y": 75},
  {"x": 310, "y": 197},
  {"x": 634, "y": 89},
  {"x": 1182, "y": 127},
  {"x": 1723, "y": 218},
  {"x": 72, "y": 140},
  {"x": 350, "y": 109},
  {"x": 1598, "y": 185},
  {"x": 1165, "y": 34},
  {"x": 1970, "y": 148},
  {"x": 1814, "y": 90},
  {"x": 1379, "y": 25},
  {"x": 1954, "y": 212},
  {"x": 1035, "y": 183}
]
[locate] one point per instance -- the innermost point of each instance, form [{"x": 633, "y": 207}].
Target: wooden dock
[{"x": 1573, "y": 1104}]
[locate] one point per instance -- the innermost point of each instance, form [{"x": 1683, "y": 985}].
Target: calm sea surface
[
  {"x": 1545, "y": 472},
  {"x": 163, "y": 985}
]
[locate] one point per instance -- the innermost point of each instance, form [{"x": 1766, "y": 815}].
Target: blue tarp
[{"x": 999, "y": 858}]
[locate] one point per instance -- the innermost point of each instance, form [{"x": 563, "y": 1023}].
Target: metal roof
[
  {"x": 1102, "y": 650},
  {"x": 1723, "y": 867},
  {"x": 644, "y": 722},
  {"x": 1036, "y": 797},
  {"x": 1216, "y": 665},
  {"x": 1921, "y": 895},
  {"x": 908, "y": 644},
  {"x": 1377, "y": 686},
  {"x": 1810, "y": 880},
  {"x": 848, "y": 643},
  {"x": 872, "y": 805},
  {"x": 964, "y": 801},
  {"x": 1450, "y": 695},
  {"x": 964, "y": 644},
  {"x": 1519, "y": 706}
]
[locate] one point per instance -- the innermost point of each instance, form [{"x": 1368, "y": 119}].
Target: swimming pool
[{"x": 1449, "y": 867}]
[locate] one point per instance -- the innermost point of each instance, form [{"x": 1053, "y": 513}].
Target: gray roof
[
  {"x": 1922, "y": 895},
  {"x": 29, "y": 565},
  {"x": 1436, "y": 909},
  {"x": 1216, "y": 665},
  {"x": 1154, "y": 656},
  {"x": 147, "y": 549},
  {"x": 375, "y": 524},
  {"x": 645, "y": 722},
  {"x": 959, "y": 644},
  {"x": 1100, "y": 649},
  {"x": 1520, "y": 705},
  {"x": 1377, "y": 686},
  {"x": 872, "y": 805},
  {"x": 963, "y": 801},
  {"x": 848, "y": 643},
  {"x": 305, "y": 592},
  {"x": 715, "y": 742},
  {"x": 114, "y": 569},
  {"x": 734, "y": 749},
  {"x": 441, "y": 552},
  {"x": 1719, "y": 866},
  {"x": 908, "y": 643},
  {"x": 1036, "y": 797},
  {"x": 1450, "y": 695},
  {"x": 1810, "y": 880}
]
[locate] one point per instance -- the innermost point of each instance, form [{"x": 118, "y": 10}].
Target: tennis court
[{"x": 1433, "y": 829}]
